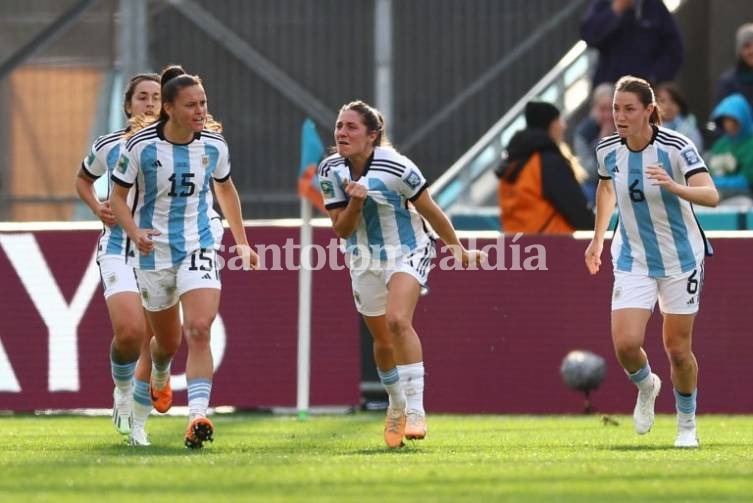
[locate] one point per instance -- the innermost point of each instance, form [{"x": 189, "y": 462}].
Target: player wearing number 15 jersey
[
  {"x": 172, "y": 163},
  {"x": 653, "y": 175}
]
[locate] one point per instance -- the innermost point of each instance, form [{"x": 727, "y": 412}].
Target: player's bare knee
[
  {"x": 129, "y": 336},
  {"x": 398, "y": 324},
  {"x": 197, "y": 329},
  {"x": 680, "y": 357}
]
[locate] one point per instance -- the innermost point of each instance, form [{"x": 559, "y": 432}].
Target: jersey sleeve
[
  {"x": 690, "y": 161},
  {"x": 126, "y": 169},
  {"x": 331, "y": 187},
  {"x": 222, "y": 171},
  {"x": 412, "y": 182},
  {"x": 94, "y": 164},
  {"x": 601, "y": 168}
]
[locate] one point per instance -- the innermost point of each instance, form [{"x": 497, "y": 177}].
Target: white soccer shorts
[
  {"x": 678, "y": 294},
  {"x": 369, "y": 279},
  {"x": 163, "y": 288},
  {"x": 117, "y": 276}
]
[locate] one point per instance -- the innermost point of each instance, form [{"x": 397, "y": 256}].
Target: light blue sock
[
  {"x": 640, "y": 374},
  {"x": 391, "y": 382},
  {"x": 122, "y": 374},
  {"x": 198, "y": 397},
  {"x": 684, "y": 403},
  {"x": 141, "y": 393}
]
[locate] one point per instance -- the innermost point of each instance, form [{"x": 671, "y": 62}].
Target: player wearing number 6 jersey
[
  {"x": 653, "y": 175},
  {"x": 172, "y": 163}
]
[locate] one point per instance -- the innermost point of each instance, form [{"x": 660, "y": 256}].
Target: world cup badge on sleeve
[
  {"x": 690, "y": 157},
  {"x": 413, "y": 180},
  {"x": 123, "y": 164}
]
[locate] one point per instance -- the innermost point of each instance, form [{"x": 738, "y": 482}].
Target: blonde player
[{"x": 131, "y": 331}]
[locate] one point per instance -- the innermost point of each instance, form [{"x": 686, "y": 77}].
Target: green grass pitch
[{"x": 259, "y": 457}]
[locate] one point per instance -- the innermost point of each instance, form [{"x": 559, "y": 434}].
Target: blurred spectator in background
[
  {"x": 740, "y": 78},
  {"x": 731, "y": 157},
  {"x": 538, "y": 191},
  {"x": 675, "y": 114},
  {"x": 633, "y": 37},
  {"x": 598, "y": 124}
]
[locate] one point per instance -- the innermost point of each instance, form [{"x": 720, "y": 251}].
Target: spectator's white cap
[{"x": 743, "y": 36}]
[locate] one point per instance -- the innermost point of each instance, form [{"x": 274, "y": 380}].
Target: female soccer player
[
  {"x": 131, "y": 330},
  {"x": 173, "y": 162},
  {"x": 367, "y": 187},
  {"x": 653, "y": 174}
]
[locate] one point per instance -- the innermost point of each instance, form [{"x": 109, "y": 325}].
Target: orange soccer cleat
[
  {"x": 415, "y": 426},
  {"x": 162, "y": 399},
  {"x": 200, "y": 430},
  {"x": 394, "y": 428}
]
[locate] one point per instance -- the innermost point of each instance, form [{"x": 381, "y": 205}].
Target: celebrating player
[
  {"x": 367, "y": 188},
  {"x": 173, "y": 162}
]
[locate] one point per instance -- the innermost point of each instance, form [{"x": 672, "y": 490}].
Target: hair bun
[{"x": 170, "y": 73}]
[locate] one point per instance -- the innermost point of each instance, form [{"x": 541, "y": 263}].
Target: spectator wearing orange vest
[{"x": 538, "y": 191}]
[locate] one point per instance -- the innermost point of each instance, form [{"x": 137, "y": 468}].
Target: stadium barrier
[{"x": 493, "y": 339}]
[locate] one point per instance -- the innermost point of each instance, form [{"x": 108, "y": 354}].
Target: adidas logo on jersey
[
  {"x": 157, "y": 164},
  {"x": 615, "y": 170},
  {"x": 691, "y": 301},
  {"x": 207, "y": 276}
]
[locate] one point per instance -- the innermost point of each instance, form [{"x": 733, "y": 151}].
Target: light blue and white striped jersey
[
  {"x": 389, "y": 226},
  {"x": 173, "y": 193},
  {"x": 658, "y": 233},
  {"x": 101, "y": 160}
]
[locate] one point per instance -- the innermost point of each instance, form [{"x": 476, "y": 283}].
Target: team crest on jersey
[
  {"x": 690, "y": 157},
  {"x": 328, "y": 190},
  {"x": 205, "y": 161},
  {"x": 123, "y": 164},
  {"x": 413, "y": 180}
]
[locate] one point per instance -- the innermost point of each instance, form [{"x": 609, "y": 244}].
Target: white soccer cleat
[
  {"x": 138, "y": 438},
  {"x": 122, "y": 411},
  {"x": 643, "y": 414},
  {"x": 687, "y": 438}
]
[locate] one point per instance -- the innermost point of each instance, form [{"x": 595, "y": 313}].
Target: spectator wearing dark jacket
[
  {"x": 538, "y": 192},
  {"x": 633, "y": 37},
  {"x": 740, "y": 78}
]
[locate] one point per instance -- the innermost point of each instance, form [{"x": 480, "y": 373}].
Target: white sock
[
  {"x": 412, "y": 381},
  {"x": 142, "y": 404},
  {"x": 396, "y": 396},
  {"x": 160, "y": 376},
  {"x": 646, "y": 384},
  {"x": 686, "y": 421},
  {"x": 390, "y": 379}
]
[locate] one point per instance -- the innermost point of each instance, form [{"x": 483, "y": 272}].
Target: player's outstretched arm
[{"x": 438, "y": 220}]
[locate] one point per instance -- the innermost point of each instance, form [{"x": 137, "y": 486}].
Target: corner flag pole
[
  {"x": 312, "y": 152},
  {"x": 304, "y": 311}
]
